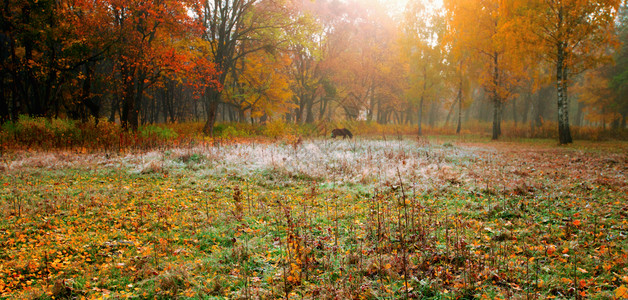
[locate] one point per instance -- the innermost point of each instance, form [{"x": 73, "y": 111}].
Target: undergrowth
[{"x": 100, "y": 135}]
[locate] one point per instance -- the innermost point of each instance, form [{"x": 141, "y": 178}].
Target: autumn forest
[
  {"x": 313, "y": 149},
  {"x": 425, "y": 63}
]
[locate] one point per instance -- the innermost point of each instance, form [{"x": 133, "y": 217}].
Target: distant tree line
[{"x": 137, "y": 62}]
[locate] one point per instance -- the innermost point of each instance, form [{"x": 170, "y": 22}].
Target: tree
[
  {"x": 362, "y": 68},
  {"x": 48, "y": 48},
  {"x": 485, "y": 28},
  {"x": 596, "y": 93},
  {"x": 307, "y": 51},
  {"x": 423, "y": 31},
  {"x": 457, "y": 73},
  {"x": 619, "y": 72},
  {"x": 307, "y": 84},
  {"x": 230, "y": 24},
  {"x": 147, "y": 48},
  {"x": 573, "y": 35},
  {"x": 260, "y": 85},
  {"x": 458, "y": 67},
  {"x": 181, "y": 88}
]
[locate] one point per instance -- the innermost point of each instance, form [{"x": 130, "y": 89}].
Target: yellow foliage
[
  {"x": 263, "y": 85},
  {"x": 596, "y": 93}
]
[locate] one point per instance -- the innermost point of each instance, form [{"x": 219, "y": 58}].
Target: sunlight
[{"x": 396, "y": 7}]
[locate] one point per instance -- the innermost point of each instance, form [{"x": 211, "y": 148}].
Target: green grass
[{"x": 182, "y": 232}]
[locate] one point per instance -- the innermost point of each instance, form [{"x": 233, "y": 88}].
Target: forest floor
[{"x": 434, "y": 218}]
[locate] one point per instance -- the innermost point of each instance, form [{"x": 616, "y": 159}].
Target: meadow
[{"x": 369, "y": 218}]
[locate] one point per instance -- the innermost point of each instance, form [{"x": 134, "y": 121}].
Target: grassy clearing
[{"x": 434, "y": 218}]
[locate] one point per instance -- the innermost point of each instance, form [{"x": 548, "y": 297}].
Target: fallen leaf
[{"x": 621, "y": 292}]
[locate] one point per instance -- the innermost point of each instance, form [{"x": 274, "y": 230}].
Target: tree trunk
[
  {"x": 17, "y": 90},
  {"x": 323, "y": 108},
  {"x": 514, "y": 111},
  {"x": 497, "y": 130},
  {"x": 155, "y": 112},
  {"x": 422, "y": 98},
  {"x": 301, "y": 107},
  {"x": 615, "y": 123},
  {"x": 4, "y": 101},
  {"x": 539, "y": 110},
  {"x": 420, "y": 114},
  {"x": 381, "y": 116},
  {"x": 211, "y": 106},
  {"x": 409, "y": 115},
  {"x": 449, "y": 113},
  {"x": 164, "y": 103},
  {"x": 4, "y": 77},
  {"x": 309, "y": 114},
  {"x": 132, "y": 79},
  {"x": 114, "y": 107},
  {"x": 45, "y": 101},
  {"x": 128, "y": 107},
  {"x": 528, "y": 102},
  {"x": 433, "y": 113},
  {"x": 87, "y": 106},
  {"x": 497, "y": 103},
  {"x": 241, "y": 113},
  {"x": 458, "y": 128},
  {"x": 467, "y": 114},
  {"x": 564, "y": 134},
  {"x": 172, "y": 103},
  {"x": 579, "y": 114},
  {"x": 369, "y": 116}
]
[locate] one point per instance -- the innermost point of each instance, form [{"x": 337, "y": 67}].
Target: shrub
[
  {"x": 219, "y": 129},
  {"x": 308, "y": 130},
  {"x": 230, "y": 132},
  {"x": 235, "y": 130},
  {"x": 104, "y": 134},
  {"x": 41, "y": 132},
  {"x": 275, "y": 129},
  {"x": 156, "y": 132}
]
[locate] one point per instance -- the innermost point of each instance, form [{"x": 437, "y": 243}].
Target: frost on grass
[
  {"x": 370, "y": 162},
  {"x": 502, "y": 167},
  {"x": 341, "y": 162}
]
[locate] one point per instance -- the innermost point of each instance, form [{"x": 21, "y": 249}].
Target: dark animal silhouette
[{"x": 341, "y": 132}]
